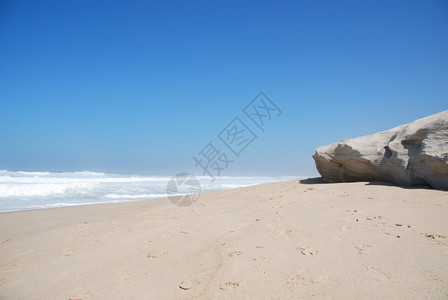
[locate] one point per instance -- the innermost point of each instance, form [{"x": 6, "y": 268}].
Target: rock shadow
[
  {"x": 313, "y": 180},
  {"x": 408, "y": 187}
]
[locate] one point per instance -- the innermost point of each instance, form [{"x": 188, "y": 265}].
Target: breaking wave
[{"x": 20, "y": 190}]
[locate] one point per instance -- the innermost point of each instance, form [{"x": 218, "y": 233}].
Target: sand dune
[{"x": 279, "y": 240}]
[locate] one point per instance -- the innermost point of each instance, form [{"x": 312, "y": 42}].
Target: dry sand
[{"x": 281, "y": 240}]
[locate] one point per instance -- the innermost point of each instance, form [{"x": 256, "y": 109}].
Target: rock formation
[{"x": 411, "y": 154}]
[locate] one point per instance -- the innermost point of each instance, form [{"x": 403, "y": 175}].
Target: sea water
[{"x": 21, "y": 190}]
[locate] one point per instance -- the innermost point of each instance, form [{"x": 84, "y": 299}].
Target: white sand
[{"x": 280, "y": 240}]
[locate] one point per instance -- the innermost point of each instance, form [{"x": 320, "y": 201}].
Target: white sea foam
[
  {"x": 12, "y": 189},
  {"x": 127, "y": 196},
  {"x": 21, "y": 190}
]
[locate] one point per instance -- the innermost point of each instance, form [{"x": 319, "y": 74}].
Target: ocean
[{"x": 21, "y": 190}]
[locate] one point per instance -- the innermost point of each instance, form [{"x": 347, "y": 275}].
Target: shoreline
[
  {"x": 155, "y": 199},
  {"x": 83, "y": 205},
  {"x": 285, "y": 239},
  {"x": 40, "y": 190}
]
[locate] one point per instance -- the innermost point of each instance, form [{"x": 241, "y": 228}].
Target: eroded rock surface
[{"x": 411, "y": 154}]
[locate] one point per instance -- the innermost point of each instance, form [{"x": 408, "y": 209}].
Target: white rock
[{"x": 411, "y": 154}]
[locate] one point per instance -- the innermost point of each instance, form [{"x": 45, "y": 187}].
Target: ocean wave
[
  {"x": 138, "y": 196},
  {"x": 233, "y": 185},
  {"x": 12, "y": 179},
  {"x": 28, "y": 190},
  {"x": 46, "y": 173},
  {"x": 43, "y": 189}
]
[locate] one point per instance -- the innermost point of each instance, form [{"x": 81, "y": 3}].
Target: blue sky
[{"x": 143, "y": 86}]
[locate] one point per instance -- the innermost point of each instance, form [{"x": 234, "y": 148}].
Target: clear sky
[{"x": 143, "y": 86}]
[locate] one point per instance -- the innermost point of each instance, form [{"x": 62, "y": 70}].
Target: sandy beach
[{"x": 280, "y": 240}]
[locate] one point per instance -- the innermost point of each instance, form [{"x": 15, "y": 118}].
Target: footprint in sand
[
  {"x": 259, "y": 258},
  {"x": 280, "y": 233},
  {"x": 156, "y": 253},
  {"x": 434, "y": 236},
  {"x": 345, "y": 227},
  {"x": 344, "y": 195},
  {"x": 307, "y": 251},
  {"x": 292, "y": 232},
  {"x": 300, "y": 279},
  {"x": 188, "y": 284},
  {"x": 229, "y": 284},
  {"x": 235, "y": 253},
  {"x": 438, "y": 238},
  {"x": 380, "y": 224},
  {"x": 374, "y": 218},
  {"x": 362, "y": 248},
  {"x": 377, "y": 274}
]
